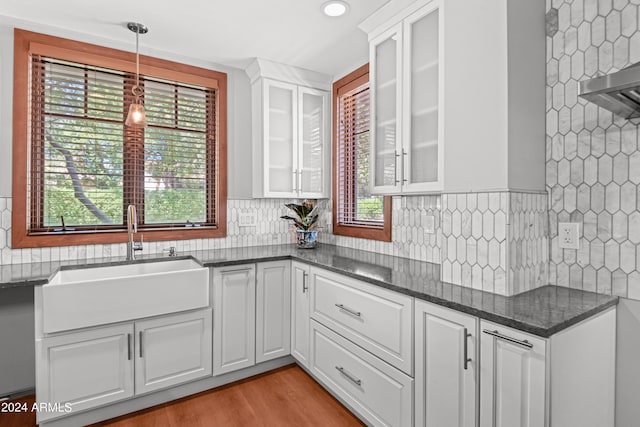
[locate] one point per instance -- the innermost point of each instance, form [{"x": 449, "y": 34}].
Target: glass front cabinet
[
  {"x": 406, "y": 65},
  {"x": 291, "y": 140}
]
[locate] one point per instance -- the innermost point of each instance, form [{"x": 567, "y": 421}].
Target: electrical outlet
[
  {"x": 569, "y": 235},
  {"x": 246, "y": 219}
]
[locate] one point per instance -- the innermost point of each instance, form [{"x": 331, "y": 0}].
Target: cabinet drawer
[
  {"x": 377, "y": 319},
  {"x": 379, "y": 393}
]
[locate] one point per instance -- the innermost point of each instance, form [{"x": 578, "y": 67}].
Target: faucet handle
[
  {"x": 137, "y": 246},
  {"x": 171, "y": 250}
]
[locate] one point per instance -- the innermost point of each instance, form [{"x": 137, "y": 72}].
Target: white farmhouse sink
[{"x": 100, "y": 295}]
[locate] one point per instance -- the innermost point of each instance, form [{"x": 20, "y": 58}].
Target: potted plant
[{"x": 305, "y": 220}]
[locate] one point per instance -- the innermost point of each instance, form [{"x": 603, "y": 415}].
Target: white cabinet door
[
  {"x": 406, "y": 95},
  {"x": 422, "y": 119},
  {"x": 172, "y": 350},
  {"x": 273, "y": 310},
  {"x": 291, "y": 154},
  {"x": 386, "y": 104},
  {"x": 280, "y": 120},
  {"x": 446, "y": 370},
  {"x": 512, "y": 378},
  {"x": 313, "y": 134},
  {"x": 86, "y": 369},
  {"x": 300, "y": 312},
  {"x": 234, "y": 318}
]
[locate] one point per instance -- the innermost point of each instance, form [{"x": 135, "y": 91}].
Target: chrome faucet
[{"x": 132, "y": 228}]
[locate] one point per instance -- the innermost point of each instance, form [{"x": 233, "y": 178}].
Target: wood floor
[{"x": 285, "y": 397}]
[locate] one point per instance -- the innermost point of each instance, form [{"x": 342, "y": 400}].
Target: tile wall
[
  {"x": 411, "y": 238},
  {"x": 490, "y": 241},
  {"x": 496, "y": 242},
  {"x": 593, "y": 158}
]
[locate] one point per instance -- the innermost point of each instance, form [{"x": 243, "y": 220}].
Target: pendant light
[{"x": 137, "y": 116}]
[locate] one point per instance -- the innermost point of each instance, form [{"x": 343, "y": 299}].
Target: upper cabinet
[
  {"x": 458, "y": 94},
  {"x": 291, "y": 133},
  {"x": 405, "y": 68}
]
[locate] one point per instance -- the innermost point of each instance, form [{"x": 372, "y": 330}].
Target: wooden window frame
[
  {"x": 27, "y": 43},
  {"x": 363, "y": 231}
]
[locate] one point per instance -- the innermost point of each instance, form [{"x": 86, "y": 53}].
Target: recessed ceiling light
[{"x": 335, "y": 8}]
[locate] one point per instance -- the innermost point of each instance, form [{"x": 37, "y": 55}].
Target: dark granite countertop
[{"x": 543, "y": 311}]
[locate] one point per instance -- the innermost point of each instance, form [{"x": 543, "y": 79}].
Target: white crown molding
[
  {"x": 389, "y": 14},
  {"x": 263, "y": 68}
]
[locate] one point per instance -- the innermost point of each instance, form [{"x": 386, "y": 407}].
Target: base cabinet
[
  {"x": 85, "y": 369},
  {"x": 565, "y": 380},
  {"x": 96, "y": 367},
  {"x": 234, "y": 320},
  {"x": 273, "y": 310},
  {"x": 446, "y": 367},
  {"x": 512, "y": 378},
  {"x": 300, "y": 292},
  {"x": 378, "y": 392},
  {"x": 172, "y": 350}
]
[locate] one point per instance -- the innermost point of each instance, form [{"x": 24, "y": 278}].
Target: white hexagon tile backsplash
[{"x": 593, "y": 157}]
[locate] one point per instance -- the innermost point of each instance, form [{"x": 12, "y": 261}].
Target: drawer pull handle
[
  {"x": 523, "y": 343},
  {"x": 348, "y": 310},
  {"x": 128, "y": 346},
  {"x": 348, "y": 376},
  {"x": 467, "y": 359}
]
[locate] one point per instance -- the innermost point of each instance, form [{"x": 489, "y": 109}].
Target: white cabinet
[
  {"x": 86, "y": 369},
  {"x": 102, "y": 365},
  {"x": 273, "y": 310},
  {"x": 300, "y": 312},
  {"x": 446, "y": 367},
  {"x": 407, "y": 154},
  {"x": 379, "y": 393},
  {"x": 172, "y": 350},
  {"x": 361, "y": 344},
  {"x": 291, "y": 132},
  {"x": 377, "y": 319},
  {"x": 457, "y": 111},
  {"x": 513, "y": 378},
  {"x": 234, "y": 311},
  {"x": 565, "y": 380},
  {"x": 252, "y": 314}
]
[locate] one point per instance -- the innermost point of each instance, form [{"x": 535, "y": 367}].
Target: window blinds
[
  {"x": 356, "y": 206},
  {"x": 87, "y": 166}
]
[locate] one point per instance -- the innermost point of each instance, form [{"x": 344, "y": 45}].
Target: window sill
[{"x": 22, "y": 240}]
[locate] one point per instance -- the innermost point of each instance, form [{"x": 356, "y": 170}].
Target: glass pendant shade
[{"x": 136, "y": 116}]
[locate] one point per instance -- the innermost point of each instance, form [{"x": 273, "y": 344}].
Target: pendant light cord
[{"x": 137, "y": 60}]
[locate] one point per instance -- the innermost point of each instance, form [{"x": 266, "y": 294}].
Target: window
[
  {"x": 77, "y": 166},
  {"x": 356, "y": 212}
]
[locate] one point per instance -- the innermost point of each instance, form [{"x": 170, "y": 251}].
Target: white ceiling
[{"x": 230, "y": 32}]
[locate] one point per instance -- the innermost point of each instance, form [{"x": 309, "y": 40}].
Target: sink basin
[
  {"x": 101, "y": 295},
  {"x": 123, "y": 271}
]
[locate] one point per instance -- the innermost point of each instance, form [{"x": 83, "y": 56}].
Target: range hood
[{"x": 617, "y": 92}]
